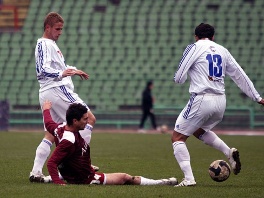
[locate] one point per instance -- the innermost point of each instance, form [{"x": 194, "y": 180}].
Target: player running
[{"x": 207, "y": 63}]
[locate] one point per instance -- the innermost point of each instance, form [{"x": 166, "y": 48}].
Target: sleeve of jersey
[
  {"x": 61, "y": 151},
  {"x": 186, "y": 62},
  {"x": 49, "y": 123},
  {"x": 45, "y": 57},
  {"x": 241, "y": 79},
  {"x": 71, "y": 67}
]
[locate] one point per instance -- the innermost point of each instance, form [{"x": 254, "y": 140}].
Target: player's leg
[
  {"x": 210, "y": 138},
  {"x": 232, "y": 154},
  {"x": 142, "y": 120},
  {"x": 186, "y": 124},
  {"x": 42, "y": 153},
  {"x": 182, "y": 156},
  {"x": 153, "y": 120},
  {"x": 205, "y": 134},
  {"x": 126, "y": 179},
  {"x": 43, "y": 150}
]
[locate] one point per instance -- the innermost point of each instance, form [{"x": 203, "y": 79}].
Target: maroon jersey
[{"x": 71, "y": 155}]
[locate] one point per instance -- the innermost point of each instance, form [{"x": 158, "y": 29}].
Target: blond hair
[{"x": 52, "y": 18}]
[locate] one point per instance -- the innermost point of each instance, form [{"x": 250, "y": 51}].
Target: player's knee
[
  {"x": 128, "y": 179},
  {"x": 91, "y": 119},
  {"x": 198, "y": 133},
  {"x": 49, "y": 137},
  {"x": 174, "y": 136},
  {"x": 178, "y": 137}
]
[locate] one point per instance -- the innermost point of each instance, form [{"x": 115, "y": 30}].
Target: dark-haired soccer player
[
  {"x": 207, "y": 63},
  {"x": 72, "y": 153}
]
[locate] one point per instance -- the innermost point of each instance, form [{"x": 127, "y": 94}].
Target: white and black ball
[{"x": 219, "y": 170}]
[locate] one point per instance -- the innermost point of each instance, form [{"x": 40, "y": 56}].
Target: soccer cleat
[
  {"x": 47, "y": 179},
  {"x": 186, "y": 183},
  {"x": 39, "y": 178},
  {"x": 96, "y": 168},
  {"x": 171, "y": 181},
  {"x": 234, "y": 160}
]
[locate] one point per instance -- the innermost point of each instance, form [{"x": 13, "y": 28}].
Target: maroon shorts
[{"x": 96, "y": 178}]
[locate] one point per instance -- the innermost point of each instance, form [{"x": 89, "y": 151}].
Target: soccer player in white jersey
[
  {"x": 54, "y": 77},
  {"x": 206, "y": 63}
]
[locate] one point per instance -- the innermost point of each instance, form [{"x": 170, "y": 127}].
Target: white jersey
[
  {"x": 50, "y": 65},
  {"x": 207, "y": 63}
]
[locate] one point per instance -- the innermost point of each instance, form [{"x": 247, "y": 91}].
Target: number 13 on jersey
[{"x": 215, "y": 67}]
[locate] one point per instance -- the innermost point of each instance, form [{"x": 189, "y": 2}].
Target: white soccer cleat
[
  {"x": 234, "y": 160},
  {"x": 39, "y": 178},
  {"x": 47, "y": 179},
  {"x": 171, "y": 181},
  {"x": 186, "y": 183}
]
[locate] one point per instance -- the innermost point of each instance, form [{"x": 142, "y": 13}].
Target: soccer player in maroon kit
[{"x": 72, "y": 153}]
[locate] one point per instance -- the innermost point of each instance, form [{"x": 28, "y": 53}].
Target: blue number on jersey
[{"x": 215, "y": 69}]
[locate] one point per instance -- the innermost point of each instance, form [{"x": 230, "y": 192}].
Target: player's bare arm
[
  {"x": 68, "y": 72},
  {"x": 71, "y": 72},
  {"x": 82, "y": 74}
]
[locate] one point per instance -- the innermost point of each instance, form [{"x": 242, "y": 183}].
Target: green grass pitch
[{"x": 149, "y": 155}]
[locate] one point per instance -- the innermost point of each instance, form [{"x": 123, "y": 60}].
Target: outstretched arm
[
  {"x": 238, "y": 75},
  {"x": 49, "y": 123}
]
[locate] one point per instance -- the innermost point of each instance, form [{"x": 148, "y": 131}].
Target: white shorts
[
  {"x": 202, "y": 111},
  {"x": 61, "y": 98}
]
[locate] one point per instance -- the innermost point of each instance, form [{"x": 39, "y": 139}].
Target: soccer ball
[
  {"x": 219, "y": 170},
  {"x": 164, "y": 128}
]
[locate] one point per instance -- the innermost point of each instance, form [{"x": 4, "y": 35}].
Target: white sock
[
  {"x": 42, "y": 154},
  {"x": 147, "y": 182},
  {"x": 211, "y": 139},
  {"x": 87, "y": 133},
  {"x": 60, "y": 176},
  {"x": 182, "y": 156}
]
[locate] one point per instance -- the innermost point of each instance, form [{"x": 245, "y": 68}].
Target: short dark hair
[
  {"x": 52, "y": 18},
  {"x": 204, "y": 31},
  {"x": 149, "y": 83},
  {"x": 75, "y": 111}
]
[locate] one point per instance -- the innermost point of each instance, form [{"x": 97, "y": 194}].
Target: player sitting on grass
[{"x": 72, "y": 153}]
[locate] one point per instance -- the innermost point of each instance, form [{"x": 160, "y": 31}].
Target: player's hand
[
  {"x": 68, "y": 72},
  {"x": 46, "y": 105},
  {"x": 83, "y": 75},
  {"x": 261, "y": 102}
]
